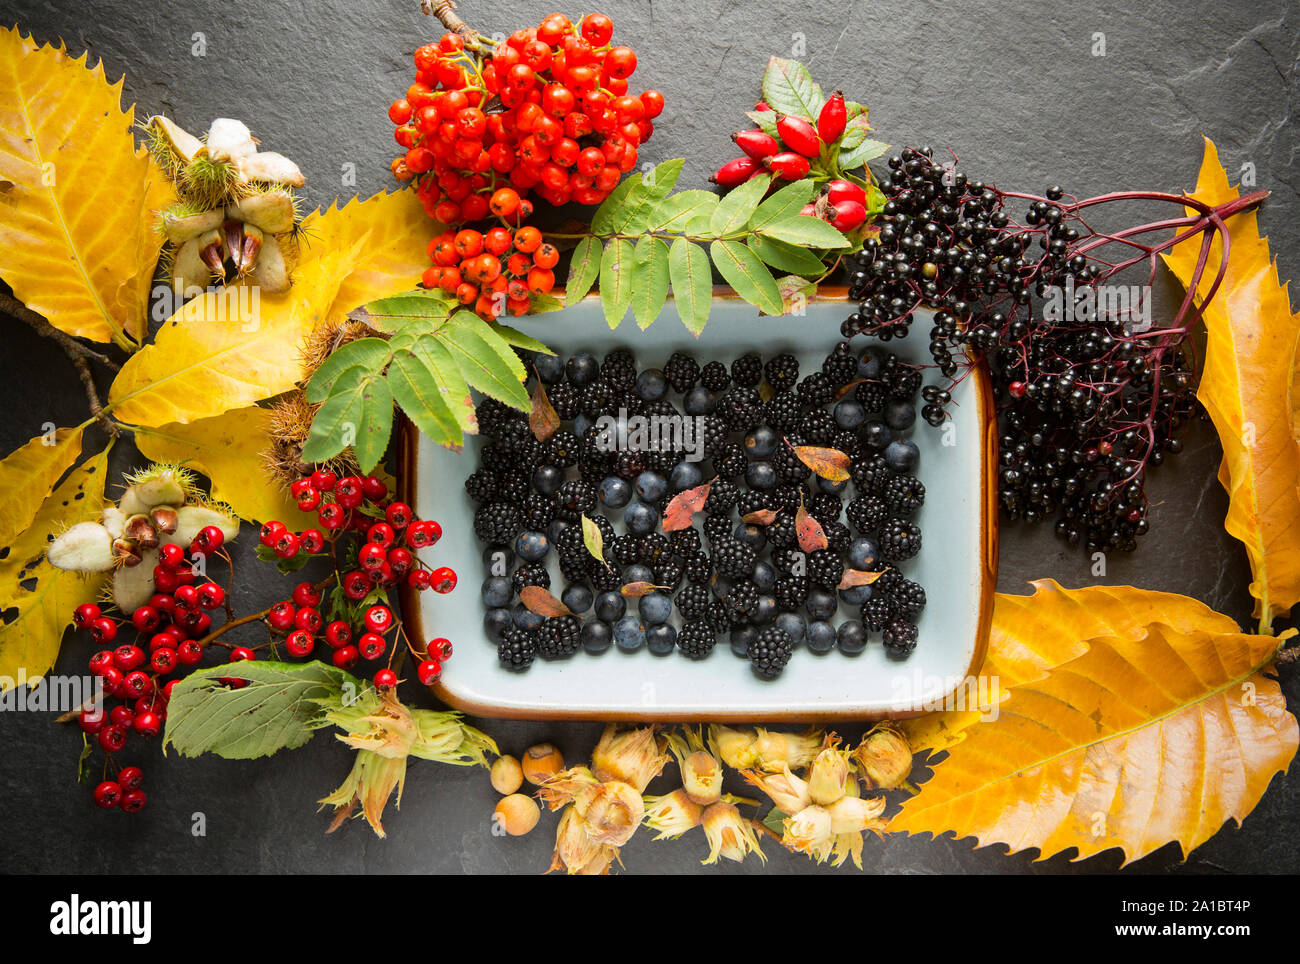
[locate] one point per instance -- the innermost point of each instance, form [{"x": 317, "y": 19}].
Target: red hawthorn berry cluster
[
  {"x": 790, "y": 155},
  {"x": 547, "y": 111},
  {"x": 494, "y": 271}
]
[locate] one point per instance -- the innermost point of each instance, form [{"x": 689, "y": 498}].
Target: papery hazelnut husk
[
  {"x": 829, "y": 777},
  {"x": 574, "y": 848},
  {"x": 787, "y": 791},
  {"x": 884, "y": 757},
  {"x": 612, "y": 811},
  {"x": 796, "y": 750},
  {"x": 735, "y": 747},
  {"x": 672, "y": 814},
  {"x": 630, "y": 756},
  {"x": 730, "y": 835},
  {"x": 809, "y": 832},
  {"x": 855, "y": 814}
]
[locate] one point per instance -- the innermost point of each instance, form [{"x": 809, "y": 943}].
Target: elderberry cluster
[
  {"x": 742, "y": 566},
  {"x": 1085, "y": 404}
]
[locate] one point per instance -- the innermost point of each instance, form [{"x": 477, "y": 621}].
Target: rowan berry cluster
[
  {"x": 547, "y": 110},
  {"x": 493, "y": 272}
]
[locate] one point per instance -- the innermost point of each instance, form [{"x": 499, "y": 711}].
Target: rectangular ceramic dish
[{"x": 957, "y": 564}]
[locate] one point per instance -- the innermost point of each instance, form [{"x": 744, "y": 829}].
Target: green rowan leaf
[
  {"x": 584, "y": 268},
  {"x": 807, "y": 231},
  {"x": 785, "y": 257},
  {"x": 736, "y": 208},
  {"x": 742, "y": 269},
  {"x": 649, "y": 280},
  {"x": 688, "y": 268},
  {"x": 783, "y": 204},
  {"x": 615, "y": 280},
  {"x": 485, "y": 359}
]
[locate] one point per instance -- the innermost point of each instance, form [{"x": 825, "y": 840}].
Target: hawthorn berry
[
  {"x": 137, "y": 684},
  {"x": 308, "y": 619},
  {"x": 338, "y": 633},
  {"x": 120, "y": 716},
  {"x": 322, "y": 480},
  {"x": 440, "y": 649},
  {"x": 91, "y": 721},
  {"x": 356, "y": 585},
  {"x": 400, "y": 560},
  {"x": 348, "y": 492},
  {"x": 211, "y": 596},
  {"x": 163, "y": 660},
  {"x": 189, "y": 652},
  {"x": 101, "y": 661},
  {"x": 443, "y": 579},
  {"x": 332, "y": 516},
  {"x": 345, "y": 657},
  {"x": 381, "y": 533},
  {"x": 209, "y": 540},
  {"x": 103, "y": 630},
  {"x": 85, "y": 614},
  {"x": 130, "y": 778},
  {"x": 281, "y": 615},
  {"x": 286, "y": 546},
  {"x": 371, "y": 646},
  {"x": 108, "y": 794},
  {"x": 428, "y": 672},
  {"x": 371, "y": 556},
  {"x": 133, "y": 801},
  {"x": 271, "y": 532},
  {"x": 127, "y": 657},
  {"x": 385, "y": 679},
  {"x": 311, "y": 541},
  {"x": 300, "y": 643},
  {"x": 418, "y": 579},
  {"x": 378, "y": 619},
  {"x": 186, "y": 597},
  {"x": 148, "y": 724},
  {"x": 165, "y": 580},
  {"x": 112, "y": 738}
]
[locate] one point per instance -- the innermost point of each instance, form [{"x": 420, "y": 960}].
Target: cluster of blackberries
[
  {"x": 630, "y": 440},
  {"x": 1084, "y": 408}
]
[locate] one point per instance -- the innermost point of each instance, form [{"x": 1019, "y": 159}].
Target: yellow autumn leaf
[
  {"x": 1144, "y": 739},
  {"x": 28, "y": 475},
  {"x": 1032, "y": 635},
  {"x": 77, "y": 242},
  {"x": 228, "y": 349},
  {"x": 1246, "y": 387},
  {"x": 228, "y": 450},
  {"x": 43, "y": 596}
]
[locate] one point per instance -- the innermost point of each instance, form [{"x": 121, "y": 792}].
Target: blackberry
[
  {"x": 619, "y": 370},
  {"x": 531, "y": 574},
  {"x": 625, "y": 549},
  {"x": 595, "y": 398},
  {"x": 872, "y": 396},
  {"x": 497, "y": 522},
  {"x": 538, "y": 511},
  {"x": 694, "y": 602},
  {"x": 791, "y": 592},
  {"x": 877, "y": 612},
  {"x": 661, "y": 462},
  {"x": 564, "y": 449},
  {"x": 682, "y": 372},
  {"x": 899, "y": 638},
  {"x": 654, "y": 547},
  {"x": 825, "y": 507},
  {"x": 685, "y": 541},
  {"x": 559, "y": 637},
  {"x": 698, "y": 567},
  {"x": 769, "y": 653},
  {"x": 718, "y": 616},
  {"x": 729, "y": 461},
  {"x": 867, "y": 513},
  {"x": 905, "y": 382},
  {"x": 717, "y": 529},
  {"x": 497, "y": 458},
  {"x": 905, "y": 494},
  {"x": 669, "y": 573},
  {"x": 818, "y": 427},
  {"x": 481, "y": 486},
  {"x": 517, "y": 649},
  {"x": 714, "y": 376},
  {"x": 569, "y": 544},
  {"x": 848, "y": 443},
  {"x": 782, "y": 372},
  {"x": 787, "y": 496},
  {"x": 783, "y": 411},
  {"x": 733, "y": 559},
  {"x": 747, "y": 370},
  {"x": 750, "y": 501},
  {"x": 604, "y": 579},
  {"x": 564, "y": 399},
  {"x": 908, "y": 598},
  {"x": 837, "y": 535},
  {"x": 870, "y": 476},
  {"x": 789, "y": 467},
  {"x": 574, "y": 569},
  {"x": 741, "y": 602},
  {"x": 781, "y": 533},
  {"x": 492, "y": 417},
  {"x": 840, "y": 367},
  {"x": 787, "y": 560},
  {"x": 899, "y": 540},
  {"x": 722, "y": 496},
  {"x": 630, "y": 401},
  {"x": 741, "y": 409},
  {"x": 576, "y": 498},
  {"x": 714, "y": 433},
  {"x": 628, "y": 465},
  {"x": 696, "y": 639},
  {"x": 825, "y": 568},
  {"x": 815, "y": 391}
]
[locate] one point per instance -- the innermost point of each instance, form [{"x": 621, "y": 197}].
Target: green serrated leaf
[
  {"x": 750, "y": 278},
  {"x": 424, "y": 309},
  {"x": 649, "y": 280},
  {"x": 853, "y": 109},
  {"x": 783, "y": 204},
  {"x": 639, "y": 207},
  {"x": 602, "y": 222},
  {"x": 517, "y": 339},
  {"x": 764, "y": 120},
  {"x": 788, "y": 87},
  {"x": 807, "y": 231},
  {"x": 584, "y": 268},
  {"x": 429, "y": 386},
  {"x": 376, "y": 425},
  {"x": 371, "y": 354},
  {"x": 485, "y": 359},
  {"x": 785, "y": 257},
  {"x": 336, "y": 423},
  {"x": 676, "y": 210},
  {"x": 275, "y": 711},
  {"x": 796, "y": 292},
  {"x": 734, "y": 211},
  {"x": 688, "y": 268},
  {"x": 616, "y": 280},
  {"x": 775, "y": 821},
  {"x": 543, "y": 304},
  {"x": 868, "y": 150}
]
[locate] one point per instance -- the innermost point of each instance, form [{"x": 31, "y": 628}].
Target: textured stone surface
[{"x": 1011, "y": 87}]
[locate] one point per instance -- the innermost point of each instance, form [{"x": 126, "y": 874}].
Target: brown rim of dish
[{"x": 408, "y": 484}]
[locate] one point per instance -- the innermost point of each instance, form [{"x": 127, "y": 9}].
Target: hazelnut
[
  {"x": 517, "y": 814},
  {"x": 541, "y": 762},
  {"x": 507, "y": 776}
]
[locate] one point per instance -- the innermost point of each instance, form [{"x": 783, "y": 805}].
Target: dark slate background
[{"x": 1012, "y": 87}]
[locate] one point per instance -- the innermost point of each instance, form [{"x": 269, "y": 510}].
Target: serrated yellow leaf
[
  {"x": 44, "y": 597},
  {"x": 227, "y": 350},
  {"x": 77, "y": 242},
  {"x": 1142, "y": 740},
  {"x": 1032, "y": 635},
  {"x": 1246, "y": 387},
  {"x": 228, "y": 450},
  {"x": 28, "y": 475}
]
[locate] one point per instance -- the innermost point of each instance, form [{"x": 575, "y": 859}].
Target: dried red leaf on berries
[
  {"x": 635, "y": 590},
  {"x": 763, "y": 517},
  {"x": 831, "y": 464},
  {"x": 594, "y": 540},
  {"x": 809, "y": 531},
  {"x": 684, "y": 505},
  {"x": 858, "y": 577},
  {"x": 539, "y": 601},
  {"x": 543, "y": 419}
]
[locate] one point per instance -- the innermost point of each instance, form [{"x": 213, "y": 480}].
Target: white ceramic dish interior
[{"x": 952, "y": 566}]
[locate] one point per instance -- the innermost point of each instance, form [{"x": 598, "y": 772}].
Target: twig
[
  {"x": 445, "y": 11},
  {"x": 75, "y": 350}
]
